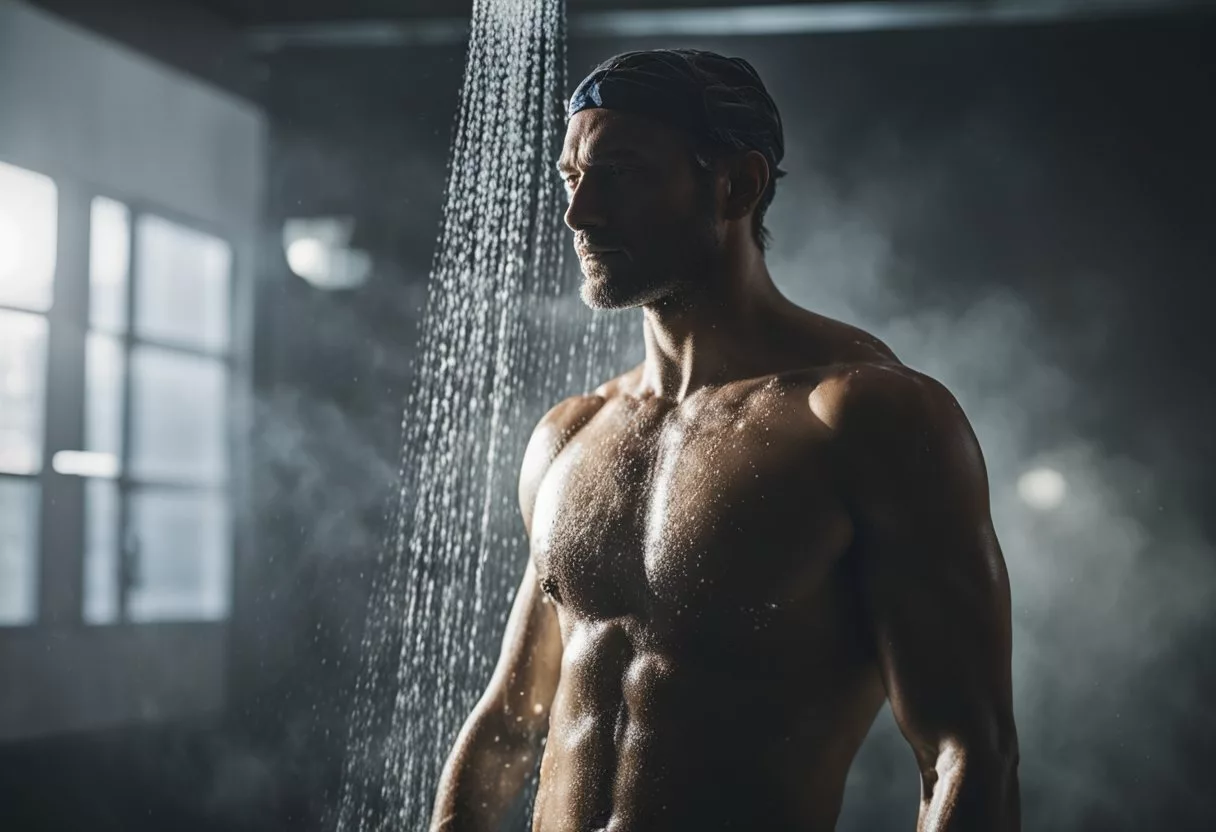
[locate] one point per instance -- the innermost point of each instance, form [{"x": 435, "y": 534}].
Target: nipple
[{"x": 549, "y": 585}]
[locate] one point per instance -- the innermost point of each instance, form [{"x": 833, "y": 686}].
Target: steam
[
  {"x": 1111, "y": 588},
  {"x": 1106, "y": 586}
]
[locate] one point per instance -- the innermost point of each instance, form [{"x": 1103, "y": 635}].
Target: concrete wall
[{"x": 74, "y": 104}]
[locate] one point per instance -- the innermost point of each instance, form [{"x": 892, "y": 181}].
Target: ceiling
[
  {"x": 270, "y": 12},
  {"x": 272, "y": 25},
  {"x": 225, "y": 41}
]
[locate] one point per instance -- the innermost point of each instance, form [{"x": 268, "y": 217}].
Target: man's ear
[{"x": 747, "y": 178}]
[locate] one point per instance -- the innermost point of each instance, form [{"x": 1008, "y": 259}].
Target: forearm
[
  {"x": 484, "y": 773},
  {"x": 971, "y": 792}
]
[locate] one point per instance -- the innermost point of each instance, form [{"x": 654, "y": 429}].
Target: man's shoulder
[
  {"x": 557, "y": 427},
  {"x": 896, "y": 430},
  {"x": 567, "y": 416},
  {"x": 627, "y": 382},
  {"x": 881, "y": 401}
]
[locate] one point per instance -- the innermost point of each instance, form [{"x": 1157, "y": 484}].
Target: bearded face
[{"x": 643, "y": 215}]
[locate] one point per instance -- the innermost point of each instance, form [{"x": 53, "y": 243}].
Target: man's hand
[{"x": 936, "y": 589}]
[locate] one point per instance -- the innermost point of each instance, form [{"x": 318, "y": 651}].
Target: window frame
[
  {"x": 36, "y": 478},
  {"x": 60, "y": 528},
  {"x": 127, "y": 484}
]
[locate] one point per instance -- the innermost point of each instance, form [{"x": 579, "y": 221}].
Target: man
[{"x": 742, "y": 547}]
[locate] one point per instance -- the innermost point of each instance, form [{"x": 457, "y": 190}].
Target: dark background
[{"x": 1050, "y": 188}]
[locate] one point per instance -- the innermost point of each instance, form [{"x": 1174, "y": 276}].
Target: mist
[
  {"x": 1110, "y": 587},
  {"x": 1113, "y": 587},
  {"x": 1107, "y": 587},
  {"x": 1023, "y": 213}
]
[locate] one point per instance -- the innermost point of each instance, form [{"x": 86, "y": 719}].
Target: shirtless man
[{"x": 742, "y": 547}]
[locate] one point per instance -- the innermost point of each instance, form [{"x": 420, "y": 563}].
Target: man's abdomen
[{"x": 638, "y": 741}]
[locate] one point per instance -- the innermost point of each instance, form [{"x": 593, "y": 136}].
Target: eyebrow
[{"x": 600, "y": 157}]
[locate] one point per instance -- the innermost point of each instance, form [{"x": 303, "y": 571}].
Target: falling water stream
[{"x": 503, "y": 339}]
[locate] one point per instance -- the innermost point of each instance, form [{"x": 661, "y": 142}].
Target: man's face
[{"x": 644, "y": 218}]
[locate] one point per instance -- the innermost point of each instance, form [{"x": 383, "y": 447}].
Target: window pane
[
  {"x": 18, "y": 551},
  {"x": 28, "y": 209},
  {"x": 22, "y": 384},
  {"x": 178, "y": 417},
  {"x": 182, "y": 286},
  {"x": 182, "y": 543},
  {"x": 109, "y": 259},
  {"x": 103, "y": 395},
  {"x": 101, "y": 552}
]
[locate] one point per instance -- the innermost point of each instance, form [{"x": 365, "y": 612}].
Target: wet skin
[
  {"x": 739, "y": 551},
  {"x": 717, "y": 672},
  {"x": 716, "y": 607}
]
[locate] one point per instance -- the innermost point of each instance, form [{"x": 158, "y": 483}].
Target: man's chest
[{"x": 727, "y": 514}]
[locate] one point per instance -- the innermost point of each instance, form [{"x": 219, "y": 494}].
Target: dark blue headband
[{"x": 718, "y": 100}]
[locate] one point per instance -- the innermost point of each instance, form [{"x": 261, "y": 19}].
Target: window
[
  {"x": 28, "y": 231},
  {"x": 158, "y": 529},
  {"x": 154, "y": 454}
]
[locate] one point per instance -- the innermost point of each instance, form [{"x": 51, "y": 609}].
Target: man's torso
[{"x": 716, "y": 671}]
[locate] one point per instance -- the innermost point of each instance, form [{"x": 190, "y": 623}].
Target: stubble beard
[
  {"x": 600, "y": 290},
  {"x": 643, "y": 286}
]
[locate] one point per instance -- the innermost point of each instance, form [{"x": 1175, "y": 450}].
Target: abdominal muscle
[{"x": 639, "y": 743}]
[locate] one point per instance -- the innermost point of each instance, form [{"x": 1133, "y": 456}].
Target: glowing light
[
  {"x": 85, "y": 464},
  {"x": 108, "y": 242},
  {"x": 17, "y": 456},
  {"x": 318, "y": 250},
  {"x": 307, "y": 256},
  {"x": 16, "y": 382},
  {"x": 12, "y": 254},
  {"x": 28, "y": 208},
  {"x": 1042, "y": 488}
]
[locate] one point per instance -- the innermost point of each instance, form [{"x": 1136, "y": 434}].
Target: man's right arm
[{"x": 499, "y": 743}]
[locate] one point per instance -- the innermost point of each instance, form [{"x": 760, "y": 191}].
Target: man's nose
[{"x": 586, "y": 208}]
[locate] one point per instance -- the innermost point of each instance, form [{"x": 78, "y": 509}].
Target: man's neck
[{"x": 713, "y": 335}]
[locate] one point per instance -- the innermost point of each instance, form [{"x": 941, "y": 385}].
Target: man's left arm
[{"x": 936, "y": 593}]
